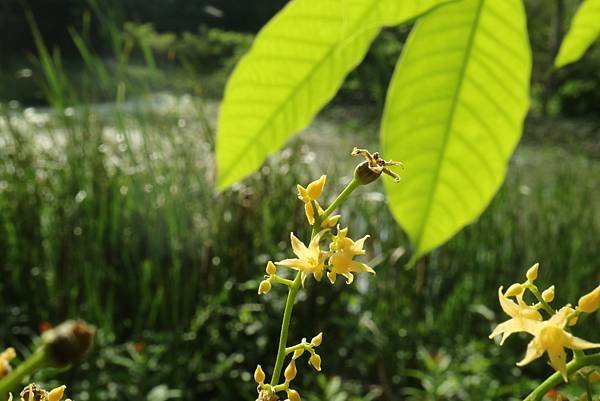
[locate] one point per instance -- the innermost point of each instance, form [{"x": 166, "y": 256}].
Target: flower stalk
[
  {"x": 36, "y": 361},
  {"x": 313, "y": 261},
  {"x": 555, "y": 379}
]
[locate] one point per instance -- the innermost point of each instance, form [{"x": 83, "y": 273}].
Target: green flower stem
[
  {"x": 36, "y": 361},
  {"x": 534, "y": 290},
  {"x": 280, "y": 387},
  {"x": 340, "y": 199},
  {"x": 281, "y": 280},
  {"x": 556, "y": 379},
  {"x": 297, "y": 283},
  {"x": 285, "y": 326},
  {"x": 304, "y": 346},
  {"x": 334, "y": 205}
]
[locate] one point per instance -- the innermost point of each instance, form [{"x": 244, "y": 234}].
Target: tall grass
[{"x": 108, "y": 212}]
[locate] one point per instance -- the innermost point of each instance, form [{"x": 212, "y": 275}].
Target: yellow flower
[
  {"x": 57, "y": 393},
  {"x": 310, "y": 259},
  {"x": 5, "y": 357},
  {"x": 532, "y": 273},
  {"x": 550, "y": 337},
  {"x": 590, "y": 301},
  {"x": 312, "y": 190},
  {"x": 523, "y": 317},
  {"x": 259, "y": 375},
  {"x": 309, "y": 196},
  {"x": 344, "y": 249}
]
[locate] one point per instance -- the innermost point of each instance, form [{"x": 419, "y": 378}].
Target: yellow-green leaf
[
  {"x": 454, "y": 114},
  {"x": 584, "y": 30},
  {"x": 295, "y": 66}
]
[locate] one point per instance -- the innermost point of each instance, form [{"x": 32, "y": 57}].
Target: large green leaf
[
  {"x": 296, "y": 64},
  {"x": 454, "y": 115},
  {"x": 584, "y": 30}
]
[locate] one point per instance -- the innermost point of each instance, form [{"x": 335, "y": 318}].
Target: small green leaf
[
  {"x": 584, "y": 30},
  {"x": 454, "y": 114},
  {"x": 295, "y": 66}
]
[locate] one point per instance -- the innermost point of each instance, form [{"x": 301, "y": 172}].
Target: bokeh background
[{"x": 108, "y": 212}]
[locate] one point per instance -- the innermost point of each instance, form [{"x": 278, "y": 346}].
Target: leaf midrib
[
  {"x": 448, "y": 128},
  {"x": 293, "y": 92}
]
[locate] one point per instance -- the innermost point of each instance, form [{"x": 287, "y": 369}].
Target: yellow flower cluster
[
  {"x": 311, "y": 259},
  {"x": 309, "y": 196},
  {"x": 336, "y": 258},
  {"x": 268, "y": 392},
  {"x": 552, "y": 335}
]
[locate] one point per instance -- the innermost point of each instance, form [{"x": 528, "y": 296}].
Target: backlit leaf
[
  {"x": 454, "y": 115},
  {"x": 584, "y": 30},
  {"x": 295, "y": 66}
]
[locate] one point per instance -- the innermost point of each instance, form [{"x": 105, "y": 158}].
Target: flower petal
[
  {"x": 313, "y": 248},
  {"x": 360, "y": 267},
  {"x": 315, "y": 188},
  {"x": 508, "y": 306},
  {"x": 302, "y": 194},
  {"x": 579, "y": 343},
  {"x": 298, "y": 247},
  {"x": 534, "y": 351},
  {"x": 558, "y": 360},
  {"x": 358, "y": 246},
  {"x": 297, "y": 264}
]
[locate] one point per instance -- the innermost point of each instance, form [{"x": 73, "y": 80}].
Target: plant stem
[
  {"x": 555, "y": 379},
  {"x": 295, "y": 285},
  {"x": 304, "y": 346},
  {"x": 334, "y": 205},
  {"x": 340, "y": 199},
  {"x": 534, "y": 290},
  {"x": 285, "y": 325},
  {"x": 282, "y": 280},
  {"x": 35, "y": 362}
]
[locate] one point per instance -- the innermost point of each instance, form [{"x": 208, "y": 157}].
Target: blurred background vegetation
[{"x": 108, "y": 212}]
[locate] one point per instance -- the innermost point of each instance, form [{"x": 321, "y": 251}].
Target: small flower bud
[
  {"x": 548, "y": 294},
  {"x": 315, "y": 188},
  {"x": 315, "y": 361},
  {"x": 298, "y": 353},
  {"x": 264, "y": 287},
  {"x": 57, "y": 393},
  {"x": 532, "y": 273},
  {"x": 590, "y": 302},
  {"x": 514, "y": 290},
  {"x": 5, "y": 357},
  {"x": 316, "y": 340},
  {"x": 293, "y": 395},
  {"x": 68, "y": 342},
  {"x": 290, "y": 371},
  {"x": 259, "y": 375},
  {"x": 271, "y": 268}
]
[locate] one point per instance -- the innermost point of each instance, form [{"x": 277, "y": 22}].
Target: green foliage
[
  {"x": 454, "y": 110},
  {"x": 213, "y": 49},
  {"x": 463, "y": 375},
  {"x": 297, "y": 63},
  {"x": 151, "y": 254},
  {"x": 454, "y": 114},
  {"x": 584, "y": 30}
]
